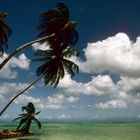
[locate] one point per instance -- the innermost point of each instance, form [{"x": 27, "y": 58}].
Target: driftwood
[{"x": 12, "y": 134}]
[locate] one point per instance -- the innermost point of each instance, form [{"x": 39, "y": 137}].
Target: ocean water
[{"x": 80, "y": 131}]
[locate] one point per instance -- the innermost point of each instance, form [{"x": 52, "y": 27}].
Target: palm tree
[
  {"x": 54, "y": 25},
  {"x": 52, "y": 69},
  {"x": 5, "y": 32},
  {"x": 54, "y": 60},
  {"x": 54, "y": 64},
  {"x": 27, "y": 118}
]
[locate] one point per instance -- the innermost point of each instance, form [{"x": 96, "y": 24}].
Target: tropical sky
[{"x": 108, "y": 83}]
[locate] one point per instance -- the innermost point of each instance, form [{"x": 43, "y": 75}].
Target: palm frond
[
  {"x": 75, "y": 36},
  {"x": 53, "y": 20},
  {"x": 69, "y": 52},
  {"x": 38, "y": 122},
  {"x": 37, "y": 113},
  {"x": 42, "y": 69},
  {"x": 24, "y": 108},
  {"x": 18, "y": 118},
  {"x": 70, "y": 67},
  {"x": 63, "y": 9},
  {"x": 22, "y": 121},
  {"x": 44, "y": 52},
  {"x": 41, "y": 59},
  {"x": 5, "y": 32},
  {"x": 23, "y": 114}
]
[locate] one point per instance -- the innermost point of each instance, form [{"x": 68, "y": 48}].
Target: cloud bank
[
  {"x": 117, "y": 54},
  {"x": 7, "y": 72}
]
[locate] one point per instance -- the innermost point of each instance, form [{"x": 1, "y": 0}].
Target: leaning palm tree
[
  {"x": 27, "y": 118},
  {"x": 52, "y": 69},
  {"x": 5, "y": 32},
  {"x": 54, "y": 25},
  {"x": 55, "y": 60}
]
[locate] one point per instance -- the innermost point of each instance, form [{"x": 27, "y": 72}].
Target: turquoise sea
[{"x": 80, "y": 131}]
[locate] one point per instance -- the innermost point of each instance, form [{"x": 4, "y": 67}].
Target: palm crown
[
  {"x": 54, "y": 65},
  {"x": 57, "y": 21},
  {"x": 5, "y": 32},
  {"x": 26, "y": 118}
]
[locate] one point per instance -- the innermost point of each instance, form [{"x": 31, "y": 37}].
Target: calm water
[{"x": 81, "y": 131}]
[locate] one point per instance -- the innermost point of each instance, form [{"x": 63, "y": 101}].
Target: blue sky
[{"x": 108, "y": 84}]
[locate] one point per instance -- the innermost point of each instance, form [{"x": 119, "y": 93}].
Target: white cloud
[
  {"x": 2, "y": 98},
  {"x": 100, "y": 85},
  {"x": 129, "y": 85},
  {"x": 24, "y": 99},
  {"x": 21, "y": 62},
  {"x": 51, "y": 102},
  {"x": 72, "y": 99},
  {"x": 5, "y": 116},
  {"x": 43, "y": 46},
  {"x": 117, "y": 54},
  {"x": 113, "y": 104},
  {"x": 129, "y": 99},
  {"x": 12, "y": 87},
  {"x": 56, "y": 101},
  {"x": 63, "y": 117},
  {"x": 9, "y": 90},
  {"x": 122, "y": 94},
  {"x": 122, "y": 100}
]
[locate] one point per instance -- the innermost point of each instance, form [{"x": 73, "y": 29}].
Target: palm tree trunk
[
  {"x": 26, "y": 127},
  {"x": 2, "y": 111},
  {"x": 22, "y": 47}
]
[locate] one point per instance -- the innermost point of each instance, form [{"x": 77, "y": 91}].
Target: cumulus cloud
[
  {"x": 22, "y": 62},
  {"x": 100, "y": 85},
  {"x": 72, "y": 99},
  {"x": 129, "y": 99},
  {"x": 56, "y": 101},
  {"x": 129, "y": 85},
  {"x": 10, "y": 89},
  {"x": 63, "y": 117},
  {"x": 43, "y": 46},
  {"x": 122, "y": 101},
  {"x": 113, "y": 104},
  {"x": 122, "y": 94},
  {"x": 117, "y": 54},
  {"x": 5, "y": 116}
]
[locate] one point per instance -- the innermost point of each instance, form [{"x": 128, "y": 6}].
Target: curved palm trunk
[
  {"x": 22, "y": 47},
  {"x": 2, "y": 111}
]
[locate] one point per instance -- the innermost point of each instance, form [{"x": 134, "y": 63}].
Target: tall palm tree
[
  {"x": 54, "y": 60},
  {"x": 27, "y": 118},
  {"x": 54, "y": 25},
  {"x": 5, "y": 32}
]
